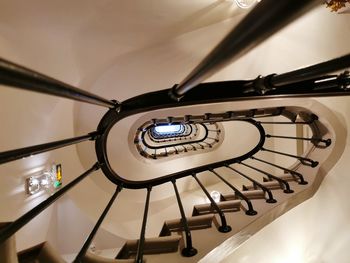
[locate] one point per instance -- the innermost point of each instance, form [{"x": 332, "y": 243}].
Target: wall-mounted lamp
[{"x": 45, "y": 180}]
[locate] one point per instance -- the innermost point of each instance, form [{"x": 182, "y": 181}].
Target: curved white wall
[{"x": 86, "y": 45}]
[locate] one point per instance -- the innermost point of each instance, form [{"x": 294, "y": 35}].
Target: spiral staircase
[{"x": 281, "y": 145}]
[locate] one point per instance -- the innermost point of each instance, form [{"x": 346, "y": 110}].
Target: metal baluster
[
  {"x": 16, "y": 154},
  {"x": 141, "y": 243},
  {"x": 88, "y": 241},
  {"x": 287, "y": 189},
  {"x": 266, "y": 190},
  {"x": 303, "y": 160},
  {"x": 268, "y": 17},
  {"x": 224, "y": 228},
  {"x": 200, "y": 145},
  {"x": 18, "y": 76},
  {"x": 327, "y": 142},
  {"x": 302, "y": 181},
  {"x": 12, "y": 228},
  {"x": 189, "y": 250},
  {"x": 250, "y": 210},
  {"x": 285, "y": 122}
]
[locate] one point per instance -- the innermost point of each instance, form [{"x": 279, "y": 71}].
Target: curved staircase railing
[{"x": 269, "y": 16}]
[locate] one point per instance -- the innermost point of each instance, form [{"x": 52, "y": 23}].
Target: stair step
[
  {"x": 286, "y": 177},
  {"x": 155, "y": 245},
  {"x": 251, "y": 194},
  {"x": 92, "y": 258},
  {"x": 196, "y": 222},
  {"x": 225, "y": 206},
  {"x": 8, "y": 247},
  {"x": 272, "y": 185},
  {"x": 41, "y": 253}
]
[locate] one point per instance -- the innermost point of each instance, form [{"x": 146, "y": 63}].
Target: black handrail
[
  {"x": 327, "y": 142},
  {"x": 12, "y": 228},
  {"x": 268, "y": 17},
  {"x": 312, "y": 71},
  {"x": 270, "y": 198},
  {"x": 250, "y": 211},
  {"x": 301, "y": 178},
  {"x": 287, "y": 189},
  {"x": 141, "y": 242},
  {"x": 20, "y": 77},
  {"x": 303, "y": 160},
  {"x": 224, "y": 228},
  {"x": 88, "y": 241},
  {"x": 189, "y": 250},
  {"x": 114, "y": 177},
  {"x": 16, "y": 154}
]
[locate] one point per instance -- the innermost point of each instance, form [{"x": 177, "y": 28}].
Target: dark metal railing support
[
  {"x": 13, "y": 155},
  {"x": 250, "y": 211},
  {"x": 327, "y": 142},
  {"x": 88, "y": 241},
  {"x": 189, "y": 250},
  {"x": 287, "y": 189},
  {"x": 311, "y": 72},
  {"x": 270, "y": 198},
  {"x": 12, "y": 228},
  {"x": 303, "y": 160},
  {"x": 18, "y": 76},
  {"x": 268, "y": 18},
  {"x": 299, "y": 175},
  {"x": 224, "y": 228},
  {"x": 141, "y": 242}
]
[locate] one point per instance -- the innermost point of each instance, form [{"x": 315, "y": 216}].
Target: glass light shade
[
  {"x": 216, "y": 196},
  {"x": 246, "y": 3},
  {"x": 33, "y": 185}
]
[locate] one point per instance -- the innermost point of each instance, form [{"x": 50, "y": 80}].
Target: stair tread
[
  {"x": 92, "y": 258},
  {"x": 194, "y": 223},
  {"x": 232, "y": 205},
  {"x": 154, "y": 245},
  {"x": 251, "y": 194},
  {"x": 272, "y": 185},
  {"x": 287, "y": 177}
]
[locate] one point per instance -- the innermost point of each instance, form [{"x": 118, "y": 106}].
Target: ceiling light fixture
[
  {"x": 246, "y": 3},
  {"x": 216, "y": 196}
]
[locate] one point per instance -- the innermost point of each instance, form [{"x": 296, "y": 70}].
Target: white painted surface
[{"x": 102, "y": 46}]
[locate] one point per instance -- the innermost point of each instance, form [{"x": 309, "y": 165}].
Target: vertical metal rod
[
  {"x": 285, "y": 122},
  {"x": 264, "y": 20},
  {"x": 303, "y": 160},
  {"x": 16, "y": 154},
  {"x": 88, "y": 241},
  {"x": 311, "y": 71},
  {"x": 266, "y": 190},
  {"x": 12, "y": 228},
  {"x": 189, "y": 250},
  {"x": 18, "y": 76},
  {"x": 141, "y": 243},
  {"x": 250, "y": 210},
  {"x": 287, "y": 189},
  {"x": 327, "y": 142},
  {"x": 302, "y": 181},
  {"x": 224, "y": 228}
]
